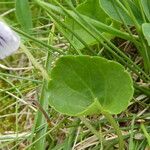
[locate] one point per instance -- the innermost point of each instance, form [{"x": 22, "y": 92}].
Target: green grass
[{"x": 24, "y": 79}]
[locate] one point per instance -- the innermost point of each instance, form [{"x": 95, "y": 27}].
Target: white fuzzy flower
[{"x": 9, "y": 41}]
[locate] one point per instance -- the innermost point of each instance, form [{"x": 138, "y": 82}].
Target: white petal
[{"x": 9, "y": 41}]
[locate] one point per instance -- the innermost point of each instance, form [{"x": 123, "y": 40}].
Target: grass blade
[{"x": 23, "y": 14}]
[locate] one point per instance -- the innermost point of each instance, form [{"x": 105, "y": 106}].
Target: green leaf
[
  {"x": 23, "y": 14},
  {"x": 146, "y": 8},
  {"x": 146, "y": 31},
  {"x": 90, "y": 10},
  {"x": 82, "y": 85},
  {"x": 112, "y": 8}
]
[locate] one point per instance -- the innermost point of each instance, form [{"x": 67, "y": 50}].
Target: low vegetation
[{"x": 80, "y": 79}]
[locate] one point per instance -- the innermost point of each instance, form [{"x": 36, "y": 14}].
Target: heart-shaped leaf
[
  {"x": 146, "y": 31},
  {"x": 84, "y": 85}
]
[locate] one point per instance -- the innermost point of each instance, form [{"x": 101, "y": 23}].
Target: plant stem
[
  {"x": 40, "y": 118},
  {"x": 34, "y": 62},
  {"x": 109, "y": 46},
  {"x": 116, "y": 127},
  {"x": 87, "y": 123},
  {"x": 47, "y": 47},
  {"x": 95, "y": 23},
  {"x": 144, "y": 49},
  {"x": 147, "y": 135},
  {"x": 72, "y": 135}
]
